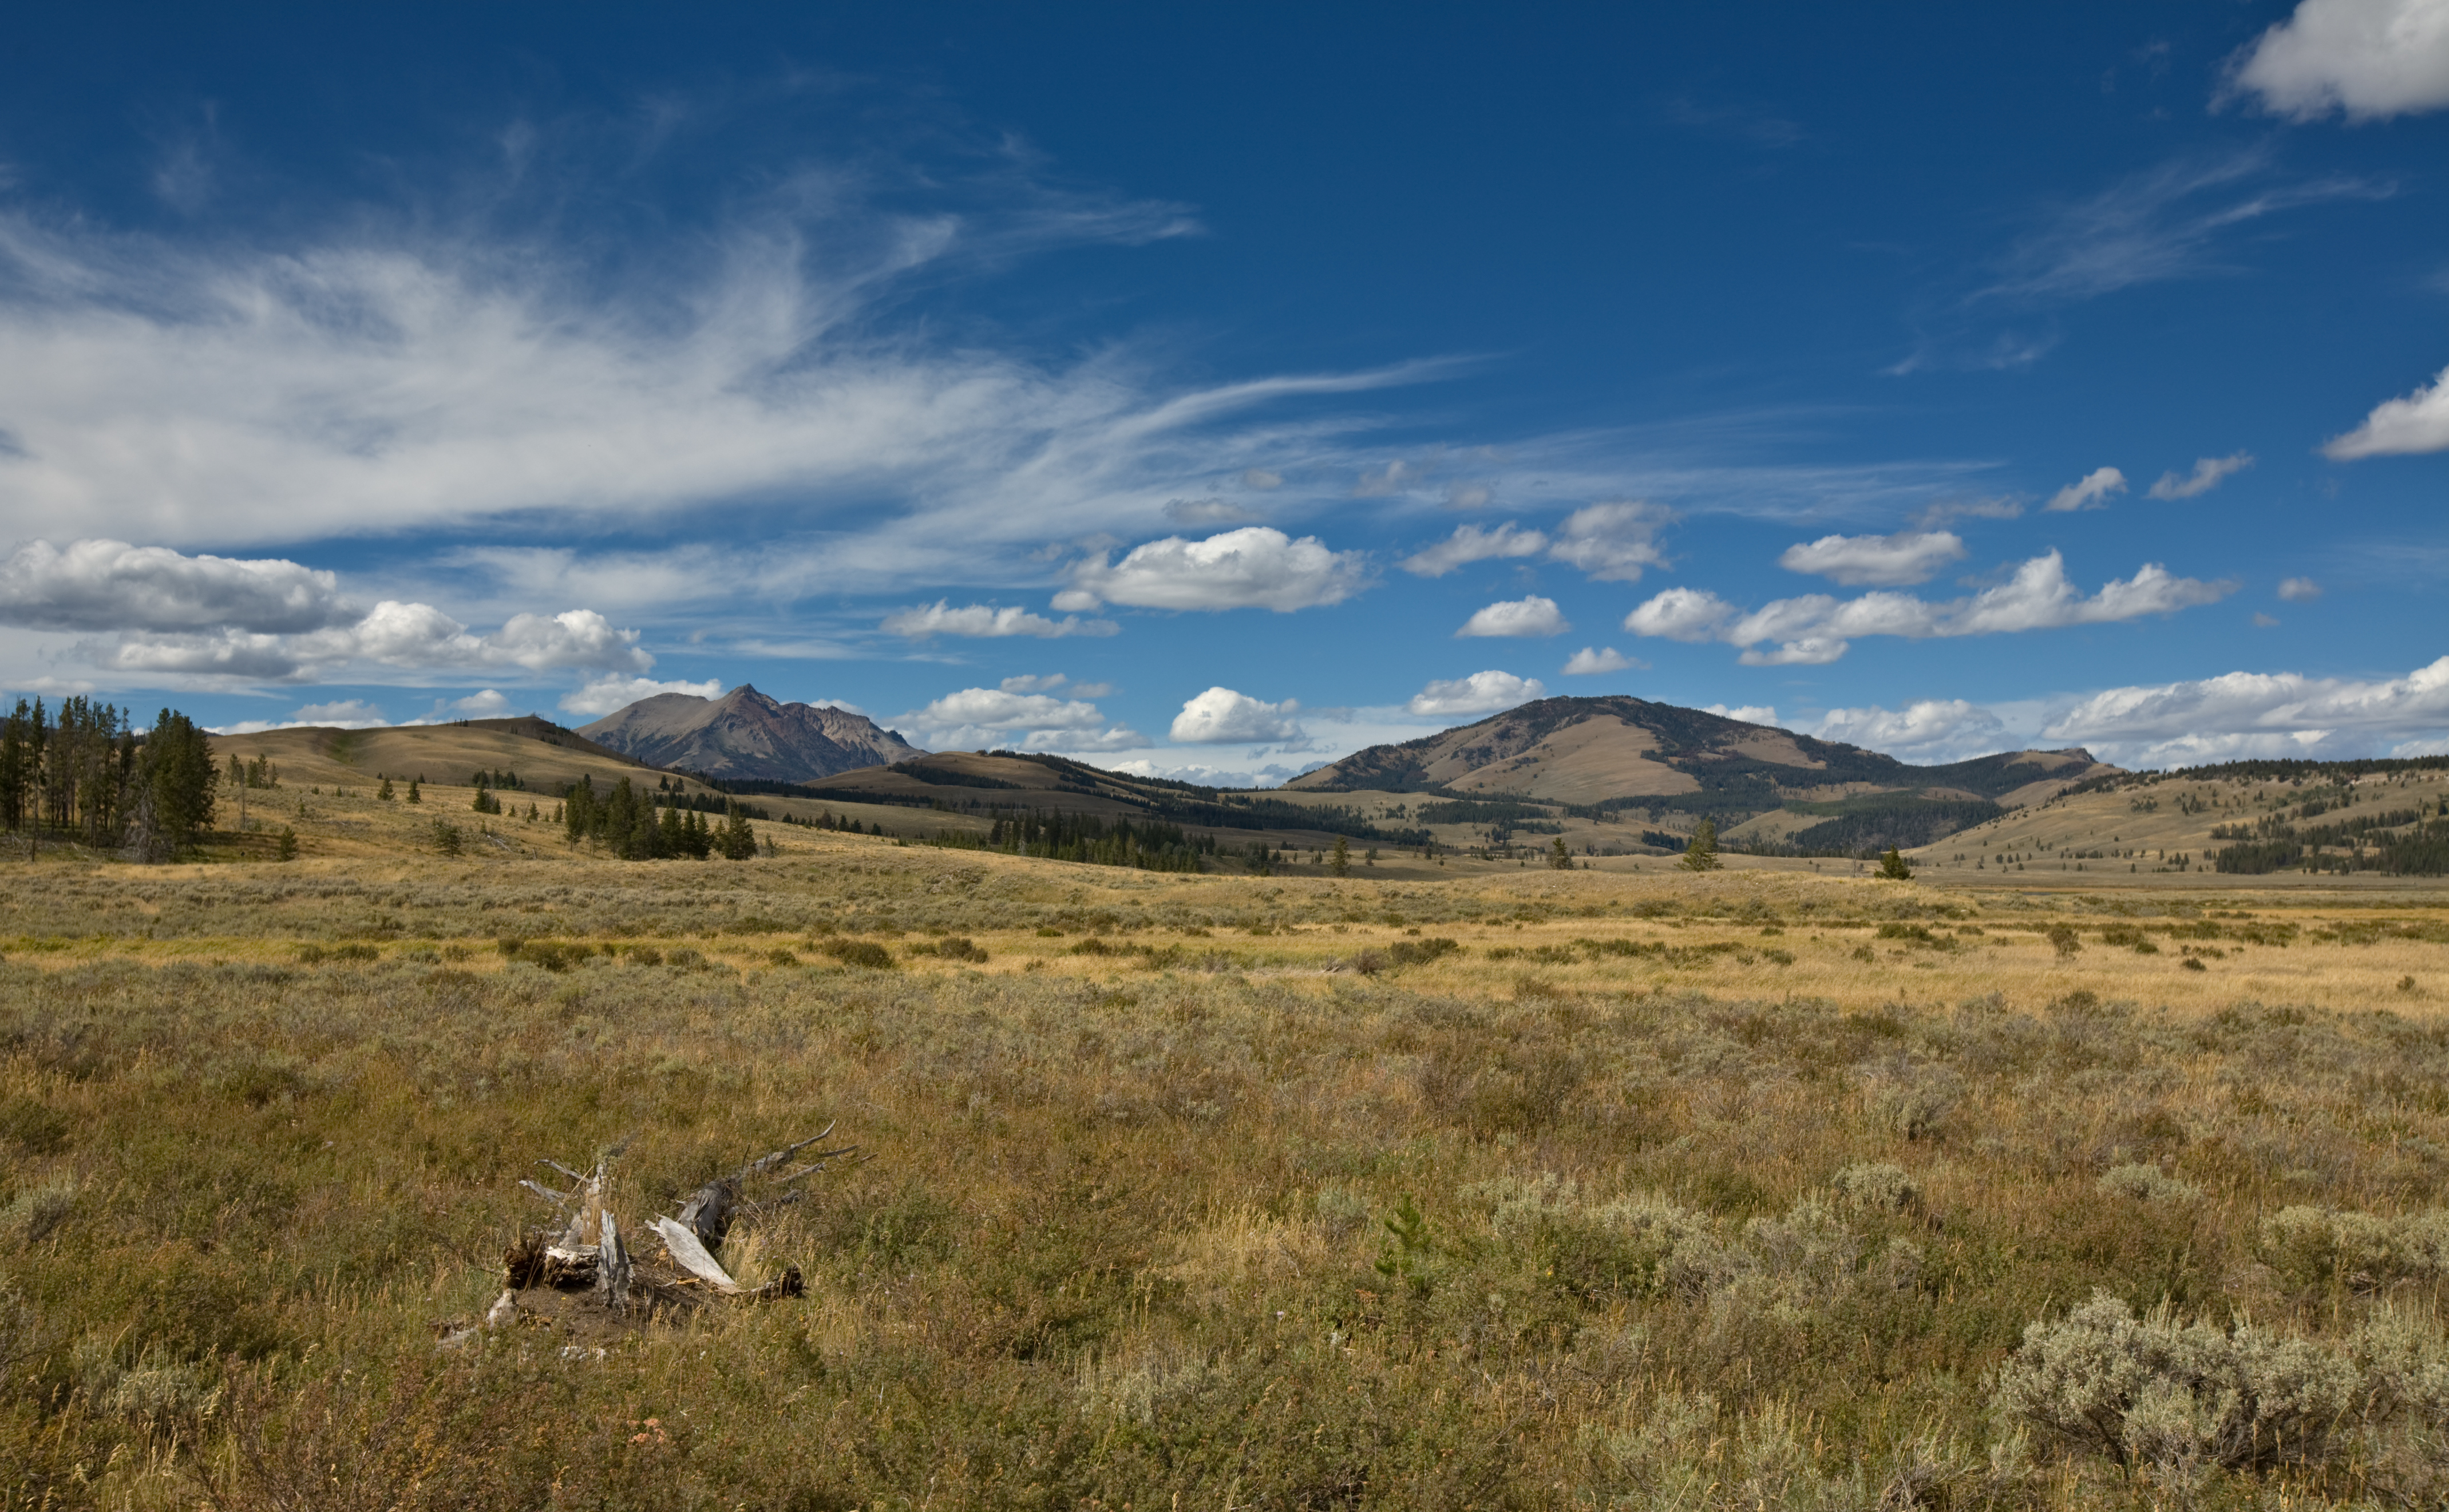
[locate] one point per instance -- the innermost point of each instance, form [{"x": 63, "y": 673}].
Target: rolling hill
[
  {"x": 745, "y": 734},
  {"x": 1763, "y": 787}
]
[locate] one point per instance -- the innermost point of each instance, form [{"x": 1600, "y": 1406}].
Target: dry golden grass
[{"x": 1655, "y": 1190}]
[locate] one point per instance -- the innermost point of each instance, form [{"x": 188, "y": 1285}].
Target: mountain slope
[
  {"x": 1621, "y": 752},
  {"x": 745, "y": 733}
]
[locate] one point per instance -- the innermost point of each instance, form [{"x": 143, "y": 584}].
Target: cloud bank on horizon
[{"x": 847, "y": 380}]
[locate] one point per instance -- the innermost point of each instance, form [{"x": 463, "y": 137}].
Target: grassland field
[{"x": 1475, "y": 1185}]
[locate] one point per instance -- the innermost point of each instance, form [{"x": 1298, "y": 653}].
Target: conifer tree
[
  {"x": 413, "y": 794},
  {"x": 384, "y": 793},
  {"x": 1893, "y": 867},
  {"x": 1702, "y": 854},
  {"x": 1559, "y": 858},
  {"x": 1341, "y": 862}
]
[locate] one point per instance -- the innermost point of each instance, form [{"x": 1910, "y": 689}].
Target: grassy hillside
[{"x": 1491, "y": 1187}]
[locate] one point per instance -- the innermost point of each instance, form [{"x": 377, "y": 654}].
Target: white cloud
[
  {"x": 2208, "y": 473},
  {"x": 1928, "y": 729},
  {"x": 1471, "y": 543},
  {"x": 606, "y": 694},
  {"x": 1611, "y": 543},
  {"x": 1020, "y": 713},
  {"x": 1517, "y": 617},
  {"x": 415, "y": 638},
  {"x": 113, "y": 586},
  {"x": 1255, "y": 567},
  {"x": 2091, "y": 492},
  {"x": 1223, "y": 717},
  {"x": 994, "y": 709},
  {"x": 988, "y": 621},
  {"x": 2369, "y": 59},
  {"x": 347, "y": 713},
  {"x": 2249, "y": 713},
  {"x": 1681, "y": 614},
  {"x": 1261, "y": 479},
  {"x": 1591, "y": 661},
  {"x": 1747, "y": 713},
  {"x": 2416, "y": 423},
  {"x": 1470, "y": 495},
  {"x": 2299, "y": 591},
  {"x": 402, "y": 374},
  {"x": 1480, "y": 692},
  {"x": 488, "y": 703},
  {"x": 1816, "y": 628},
  {"x": 1859, "y": 560}
]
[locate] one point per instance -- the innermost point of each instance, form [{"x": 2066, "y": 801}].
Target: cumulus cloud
[
  {"x": 1747, "y": 713},
  {"x": 2299, "y": 591},
  {"x": 1255, "y": 567},
  {"x": 1019, "y": 713},
  {"x": 113, "y": 586},
  {"x": 2367, "y": 59},
  {"x": 2255, "y": 714},
  {"x": 1875, "y": 561},
  {"x": 346, "y": 713},
  {"x": 1471, "y": 543},
  {"x": 1480, "y": 692},
  {"x": 1591, "y": 661},
  {"x": 415, "y": 638},
  {"x": 1611, "y": 543},
  {"x": 1223, "y": 716},
  {"x": 1816, "y": 628},
  {"x": 988, "y": 621},
  {"x": 2407, "y": 426},
  {"x": 2091, "y": 492},
  {"x": 1517, "y": 617},
  {"x": 607, "y": 695},
  {"x": 994, "y": 709},
  {"x": 486, "y": 703},
  {"x": 1927, "y": 730},
  {"x": 2208, "y": 473},
  {"x": 1681, "y": 614}
]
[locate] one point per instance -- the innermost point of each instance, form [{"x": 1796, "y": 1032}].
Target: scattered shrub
[
  {"x": 865, "y": 954},
  {"x": 1878, "y": 1188}
]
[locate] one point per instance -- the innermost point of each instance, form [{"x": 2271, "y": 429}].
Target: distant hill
[
  {"x": 1621, "y": 752},
  {"x": 746, "y": 735}
]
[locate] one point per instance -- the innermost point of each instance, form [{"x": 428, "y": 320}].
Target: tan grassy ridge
[{"x": 1726, "y": 1190}]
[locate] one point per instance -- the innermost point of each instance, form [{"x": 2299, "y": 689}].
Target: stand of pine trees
[
  {"x": 86, "y": 772},
  {"x": 629, "y": 823},
  {"x": 1085, "y": 837}
]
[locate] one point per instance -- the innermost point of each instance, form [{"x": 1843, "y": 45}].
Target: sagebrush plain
[{"x": 1500, "y": 1188}]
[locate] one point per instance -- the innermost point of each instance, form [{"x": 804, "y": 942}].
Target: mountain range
[{"x": 745, "y": 734}]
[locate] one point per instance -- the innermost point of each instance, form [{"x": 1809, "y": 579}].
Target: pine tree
[
  {"x": 1893, "y": 867},
  {"x": 288, "y": 844},
  {"x": 1559, "y": 858},
  {"x": 1341, "y": 862},
  {"x": 1702, "y": 854},
  {"x": 414, "y": 797},
  {"x": 739, "y": 841},
  {"x": 384, "y": 793}
]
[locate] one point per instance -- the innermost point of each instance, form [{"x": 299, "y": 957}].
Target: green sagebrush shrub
[
  {"x": 2322, "y": 1247},
  {"x": 2174, "y": 1399}
]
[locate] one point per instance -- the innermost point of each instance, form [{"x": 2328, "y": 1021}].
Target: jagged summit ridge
[{"x": 748, "y": 733}]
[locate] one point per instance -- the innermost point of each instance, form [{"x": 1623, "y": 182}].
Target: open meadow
[{"x": 1486, "y": 1185}]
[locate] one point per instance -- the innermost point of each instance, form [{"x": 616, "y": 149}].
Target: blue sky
[{"x": 1216, "y": 391}]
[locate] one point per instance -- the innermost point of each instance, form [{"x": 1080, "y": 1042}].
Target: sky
[{"x": 1213, "y": 392}]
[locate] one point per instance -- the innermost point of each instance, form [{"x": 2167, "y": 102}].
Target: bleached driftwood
[{"x": 589, "y": 1253}]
